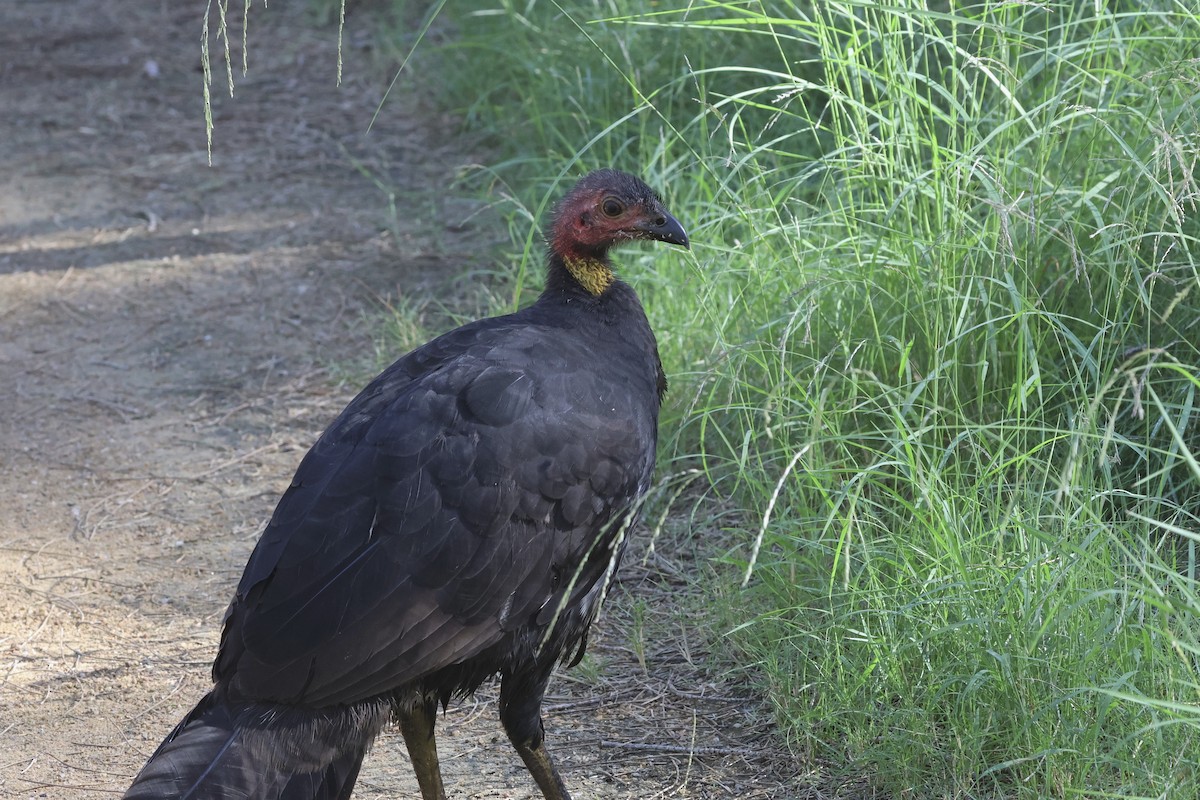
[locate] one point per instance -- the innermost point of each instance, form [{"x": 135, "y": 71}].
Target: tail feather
[
  {"x": 335, "y": 782},
  {"x": 204, "y": 757},
  {"x": 224, "y": 752}
]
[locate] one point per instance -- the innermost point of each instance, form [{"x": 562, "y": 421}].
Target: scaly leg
[
  {"x": 417, "y": 726},
  {"x": 521, "y": 714}
]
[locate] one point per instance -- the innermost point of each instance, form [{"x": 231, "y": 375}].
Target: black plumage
[{"x": 460, "y": 518}]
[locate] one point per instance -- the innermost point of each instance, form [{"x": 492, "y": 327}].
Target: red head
[{"x": 603, "y": 209}]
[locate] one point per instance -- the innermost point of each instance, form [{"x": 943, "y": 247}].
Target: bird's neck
[
  {"x": 595, "y": 275},
  {"x": 592, "y": 272}
]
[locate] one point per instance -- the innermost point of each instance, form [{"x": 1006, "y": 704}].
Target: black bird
[{"x": 461, "y": 518}]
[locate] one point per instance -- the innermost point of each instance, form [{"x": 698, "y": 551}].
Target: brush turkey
[{"x": 461, "y": 518}]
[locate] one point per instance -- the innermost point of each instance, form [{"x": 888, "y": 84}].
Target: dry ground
[{"x": 166, "y": 335}]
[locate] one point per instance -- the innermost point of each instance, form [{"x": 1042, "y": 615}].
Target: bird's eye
[{"x": 612, "y": 207}]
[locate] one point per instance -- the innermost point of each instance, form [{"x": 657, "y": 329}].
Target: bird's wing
[{"x": 440, "y": 511}]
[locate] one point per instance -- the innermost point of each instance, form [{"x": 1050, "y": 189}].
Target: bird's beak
[{"x": 664, "y": 228}]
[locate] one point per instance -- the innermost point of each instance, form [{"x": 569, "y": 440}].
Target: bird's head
[{"x": 604, "y": 209}]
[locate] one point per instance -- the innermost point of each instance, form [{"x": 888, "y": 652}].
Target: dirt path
[{"x": 166, "y": 335}]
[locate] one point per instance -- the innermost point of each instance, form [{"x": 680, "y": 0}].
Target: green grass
[{"x": 936, "y": 342}]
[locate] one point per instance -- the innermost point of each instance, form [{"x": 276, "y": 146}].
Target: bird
[{"x": 462, "y": 518}]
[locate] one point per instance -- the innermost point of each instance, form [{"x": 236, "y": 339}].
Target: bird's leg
[
  {"x": 537, "y": 759},
  {"x": 521, "y": 715},
  {"x": 416, "y": 723}
]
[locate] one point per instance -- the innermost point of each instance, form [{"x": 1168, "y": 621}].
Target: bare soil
[{"x": 168, "y": 336}]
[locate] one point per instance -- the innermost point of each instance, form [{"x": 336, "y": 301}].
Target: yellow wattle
[{"x": 593, "y": 275}]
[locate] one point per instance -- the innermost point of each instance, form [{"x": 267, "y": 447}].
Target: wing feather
[{"x": 434, "y": 518}]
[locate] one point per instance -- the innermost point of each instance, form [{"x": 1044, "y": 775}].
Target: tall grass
[{"x": 937, "y": 341}]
